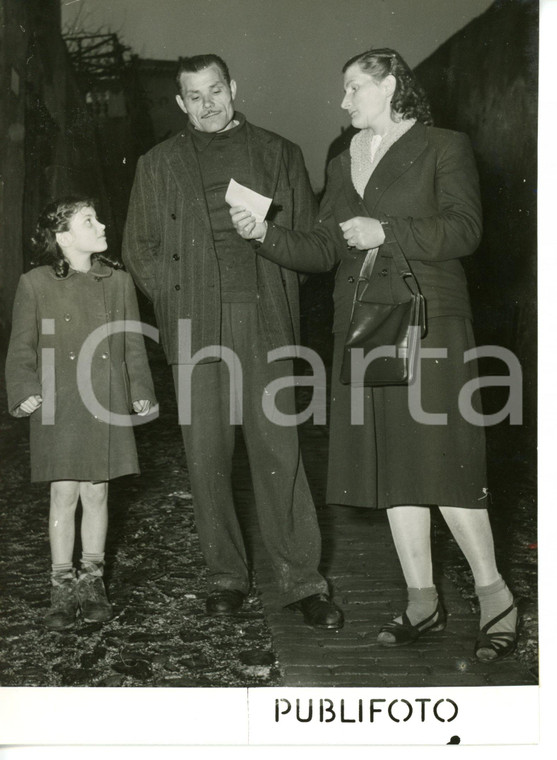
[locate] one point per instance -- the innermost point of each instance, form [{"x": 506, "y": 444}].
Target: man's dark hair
[{"x": 198, "y": 63}]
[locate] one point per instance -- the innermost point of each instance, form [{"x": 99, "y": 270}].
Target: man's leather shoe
[
  {"x": 224, "y": 601},
  {"x": 321, "y": 612}
]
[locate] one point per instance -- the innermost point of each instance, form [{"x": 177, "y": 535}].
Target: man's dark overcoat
[
  {"x": 170, "y": 251},
  {"x": 169, "y": 248}
]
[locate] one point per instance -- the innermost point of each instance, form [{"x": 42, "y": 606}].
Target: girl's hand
[
  {"x": 363, "y": 233},
  {"x": 245, "y": 224},
  {"x": 141, "y": 407},
  {"x": 31, "y": 404}
]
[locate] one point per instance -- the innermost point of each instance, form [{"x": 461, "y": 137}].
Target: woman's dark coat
[
  {"x": 52, "y": 319},
  {"x": 425, "y": 190}
]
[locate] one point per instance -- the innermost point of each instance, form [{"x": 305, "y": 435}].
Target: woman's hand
[
  {"x": 31, "y": 404},
  {"x": 245, "y": 224},
  {"x": 141, "y": 407},
  {"x": 363, "y": 233}
]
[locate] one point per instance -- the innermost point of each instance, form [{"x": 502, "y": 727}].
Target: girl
[{"x": 77, "y": 371}]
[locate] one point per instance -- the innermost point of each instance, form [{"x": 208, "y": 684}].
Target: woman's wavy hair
[
  {"x": 55, "y": 217},
  {"x": 409, "y": 100}
]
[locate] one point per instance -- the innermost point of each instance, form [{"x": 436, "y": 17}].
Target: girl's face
[
  {"x": 367, "y": 101},
  {"x": 85, "y": 234}
]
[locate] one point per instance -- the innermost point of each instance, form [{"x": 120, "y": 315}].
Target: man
[{"x": 185, "y": 255}]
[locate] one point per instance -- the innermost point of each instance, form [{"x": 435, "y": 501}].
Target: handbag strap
[
  {"x": 369, "y": 263},
  {"x": 405, "y": 271},
  {"x": 401, "y": 264}
]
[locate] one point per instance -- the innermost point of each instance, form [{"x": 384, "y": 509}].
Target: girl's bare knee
[
  {"x": 93, "y": 495},
  {"x": 64, "y": 493}
]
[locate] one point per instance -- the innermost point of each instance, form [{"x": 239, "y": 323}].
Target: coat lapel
[
  {"x": 355, "y": 203},
  {"x": 184, "y": 167},
  {"x": 264, "y": 158},
  {"x": 398, "y": 159}
]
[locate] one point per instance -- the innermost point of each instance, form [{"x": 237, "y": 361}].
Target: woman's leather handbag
[{"x": 391, "y": 331}]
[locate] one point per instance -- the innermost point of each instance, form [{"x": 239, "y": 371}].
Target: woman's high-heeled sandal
[
  {"x": 494, "y": 646},
  {"x": 406, "y": 633}
]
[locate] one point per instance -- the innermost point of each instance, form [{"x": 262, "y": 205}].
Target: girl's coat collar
[{"x": 98, "y": 270}]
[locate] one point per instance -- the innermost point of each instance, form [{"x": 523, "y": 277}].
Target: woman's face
[{"x": 368, "y": 101}]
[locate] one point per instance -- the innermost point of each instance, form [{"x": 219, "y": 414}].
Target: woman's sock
[
  {"x": 422, "y": 603},
  {"x": 494, "y": 599}
]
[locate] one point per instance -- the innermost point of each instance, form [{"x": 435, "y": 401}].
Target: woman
[{"x": 404, "y": 184}]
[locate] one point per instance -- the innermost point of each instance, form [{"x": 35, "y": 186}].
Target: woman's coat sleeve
[{"x": 455, "y": 230}]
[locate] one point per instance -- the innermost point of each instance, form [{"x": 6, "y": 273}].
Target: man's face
[{"x": 207, "y": 99}]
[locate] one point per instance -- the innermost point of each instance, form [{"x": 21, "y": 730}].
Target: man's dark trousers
[{"x": 285, "y": 509}]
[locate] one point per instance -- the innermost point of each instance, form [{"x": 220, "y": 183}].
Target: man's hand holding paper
[{"x": 248, "y": 210}]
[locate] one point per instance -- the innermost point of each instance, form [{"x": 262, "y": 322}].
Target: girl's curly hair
[
  {"x": 55, "y": 217},
  {"x": 409, "y": 100}
]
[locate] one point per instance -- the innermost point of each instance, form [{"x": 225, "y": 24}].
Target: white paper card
[
  {"x": 148, "y": 716},
  {"x": 239, "y": 195}
]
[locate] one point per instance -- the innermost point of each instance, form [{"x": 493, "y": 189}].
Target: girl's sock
[
  {"x": 92, "y": 563},
  {"x": 61, "y": 572},
  {"x": 494, "y": 599}
]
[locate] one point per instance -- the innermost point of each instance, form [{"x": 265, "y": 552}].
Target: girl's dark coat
[{"x": 52, "y": 318}]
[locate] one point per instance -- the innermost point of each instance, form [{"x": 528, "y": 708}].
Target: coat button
[
  {"x": 67, "y": 317},
  {"x": 176, "y": 287},
  {"x": 175, "y": 257},
  {"x": 350, "y": 279},
  {"x": 71, "y": 355},
  {"x": 383, "y": 272},
  {"x": 173, "y": 216},
  {"x": 104, "y": 356},
  {"x": 98, "y": 279}
]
